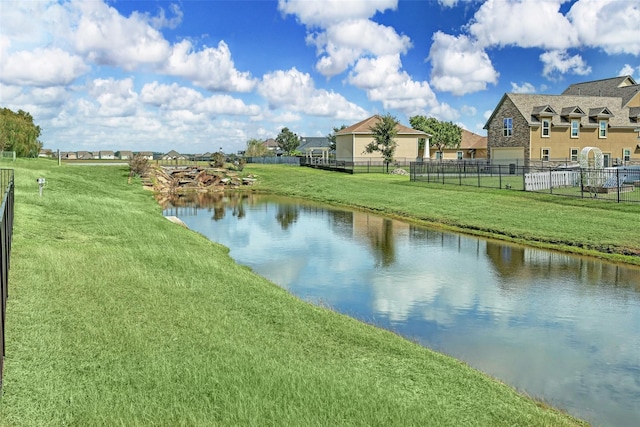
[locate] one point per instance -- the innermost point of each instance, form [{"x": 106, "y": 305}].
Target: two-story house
[{"x": 534, "y": 129}]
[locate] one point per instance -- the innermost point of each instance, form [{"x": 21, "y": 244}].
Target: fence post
[
  {"x": 618, "y": 183},
  {"x": 550, "y": 182}
]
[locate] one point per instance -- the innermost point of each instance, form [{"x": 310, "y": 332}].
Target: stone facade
[{"x": 520, "y": 136}]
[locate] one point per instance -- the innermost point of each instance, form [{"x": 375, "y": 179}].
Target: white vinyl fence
[{"x": 537, "y": 181}]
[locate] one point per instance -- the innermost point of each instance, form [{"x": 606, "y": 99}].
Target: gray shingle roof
[
  {"x": 624, "y": 87},
  {"x": 594, "y": 106}
]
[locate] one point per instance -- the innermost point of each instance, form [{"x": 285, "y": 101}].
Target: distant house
[
  {"x": 106, "y": 155},
  {"x": 315, "y": 146},
  {"x": 602, "y": 114},
  {"x": 472, "y": 146},
  {"x": 173, "y": 155},
  {"x": 202, "y": 157},
  {"x": 146, "y": 154},
  {"x": 68, "y": 155},
  {"x": 124, "y": 155},
  {"x": 45, "y": 152},
  {"x": 84, "y": 155},
  {"x": 271, "y": 144},
  {"x": 351, "y": 142}
]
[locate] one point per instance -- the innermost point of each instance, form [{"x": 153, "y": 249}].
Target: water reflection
[{"x": 562, "y": 328}]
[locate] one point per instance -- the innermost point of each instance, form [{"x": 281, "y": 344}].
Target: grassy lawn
[
  {"x": 116, "y": 316},
  {"x": 586, "y": 226}
]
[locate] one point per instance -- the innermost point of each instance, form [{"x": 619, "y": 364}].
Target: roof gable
[
  {"x": 600, "y": 112},
  {"x": 544, "y": 111},
  {"x": 574, "y": 111},
  {"x": 364, "y": 127}
]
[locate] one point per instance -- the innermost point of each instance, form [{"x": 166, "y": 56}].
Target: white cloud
[
  {"x": 384, "y": 81},
  {"x": 371, "y": 73},
  {"x": 445, "y": 112},
  {"x": 468, "y": 110},
  {"x": 559, "y": 61},
  {"x": 523, "y": 23},
  {"x": 39, "y": 67},
  {"x": 448, "y": 3},
  {"x": 161, "y": 21},
  {"x": 327, "y": 12},
  {"x": 116, "y": 98},
  {"x": 342, "y": 43},
  {"x": 525, "y": 87},
  {"x": 346, "y": 37},
  {"x": 296, "y": 91},
  {"x": 225, "y": 104},
  {"x": 179, "y": 98},
  {"x": 612, "y": 25},
  {"x": 106, "y": 37},
  {"x": 459, "y": 66},
  {"x": 628, "y": 70},
  {"x": 210, "y": 68},
  {"x": 170, "y": 96}
]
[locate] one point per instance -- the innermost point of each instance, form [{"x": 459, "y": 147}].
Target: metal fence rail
[
  {"x": 6, "y": 233},
  {"x": 356, "y": 165},
  {"x": 275, "y": 160},
  {"x": 621, "y": 184}
]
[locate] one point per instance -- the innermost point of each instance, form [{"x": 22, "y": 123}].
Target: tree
[
  {"x": 384, "y": 134},
  {"x": 287, "y": 141},
  {"x": 18, "y": 133},
  {"x": 443, "y": 134},
  {"x": 332, "y": 137},
  {"x": 256, "y": 148}
]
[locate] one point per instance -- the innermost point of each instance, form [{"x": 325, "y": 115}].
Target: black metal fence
[
  {"x": 618, "y": 184},
  {"x": 274, "y": 160},
  {"x": 6, "y": 234},
  {"x": 362, "y": 165}
]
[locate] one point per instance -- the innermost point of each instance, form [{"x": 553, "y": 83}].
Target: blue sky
[{"x": 195, "y": 76}]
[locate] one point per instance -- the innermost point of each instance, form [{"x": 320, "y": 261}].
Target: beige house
[
  {"x": 351, "y": 142},
  {"x": 125, "y": 155},
  {"x": 107, "y": 155},
  {"x": 551, "y": 129},
  {"x": 472, "y": 146}
]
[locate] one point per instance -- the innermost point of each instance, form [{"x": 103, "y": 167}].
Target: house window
[
  {"x": 606, "y": 159},
  {"x": 546, "y": 128},
  {"x": 544, "y": 155},
  {"x": 575, "y": 128},
  {"x": 438, "y": 155},
  {"x": 574, "y": 154},
  {"x": 626, "y": 154},
  {"x": 602, "y": 133},
  {"x": 507, "y": 127},
  {"x": 459, "y": 155}
]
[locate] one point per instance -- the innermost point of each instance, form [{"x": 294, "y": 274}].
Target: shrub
[{"x": 138, "y": 165}]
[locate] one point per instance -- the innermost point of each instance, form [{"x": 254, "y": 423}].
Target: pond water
[{"x": 560, "y": 328}]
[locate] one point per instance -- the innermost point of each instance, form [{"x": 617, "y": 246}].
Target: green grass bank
[
  {"x": 583, "y": 226},
  {"x": 116, "y": 316}
]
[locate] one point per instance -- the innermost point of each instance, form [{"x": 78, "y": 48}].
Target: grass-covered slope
[{"x": 116, "y": 316}]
